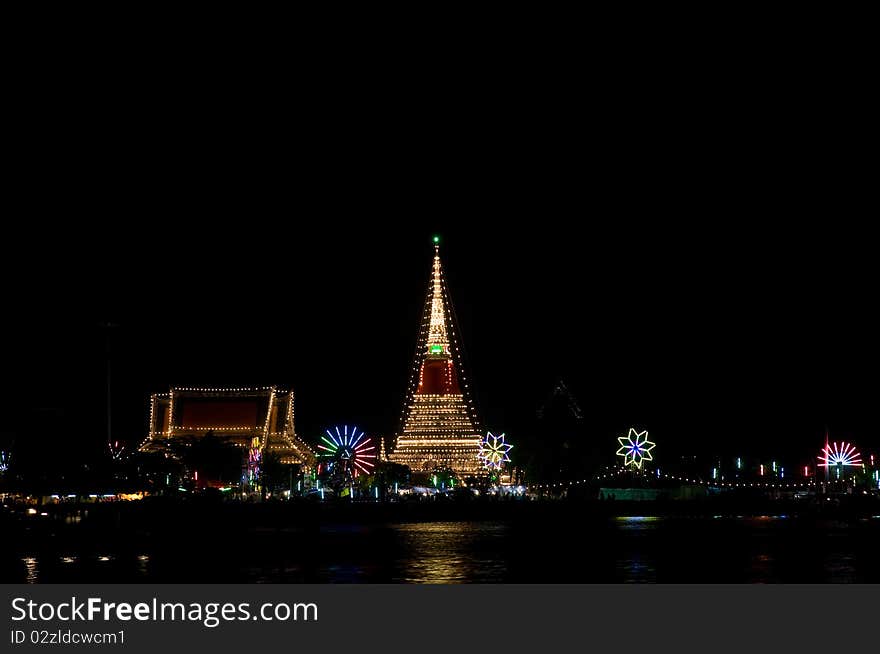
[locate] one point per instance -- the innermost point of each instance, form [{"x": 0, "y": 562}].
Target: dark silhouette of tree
[
  {"x": 214, "y": 458},
  {"x": 444, "y": 478},
  {"x": 276, "y": 476},
  {"x": 384, "y": 476},
  {"x": 557, "y": 447}
]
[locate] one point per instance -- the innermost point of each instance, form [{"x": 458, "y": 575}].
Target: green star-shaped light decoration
[{"x": 635, "y": 448}]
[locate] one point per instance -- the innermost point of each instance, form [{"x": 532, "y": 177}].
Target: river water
[{"x": 634, "y": 549}]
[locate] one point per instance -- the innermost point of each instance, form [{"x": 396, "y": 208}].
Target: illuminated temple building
[
  {"x": 439, "y": 426},
  {"x": 251, "y": 418}
]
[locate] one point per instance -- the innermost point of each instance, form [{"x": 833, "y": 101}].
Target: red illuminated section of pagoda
[
  {"x": 438, "y": 377},
  {"x": 439, "y": 426}
]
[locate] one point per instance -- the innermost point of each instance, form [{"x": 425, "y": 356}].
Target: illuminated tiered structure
[
  {"x": 258, "y": 419},
  {"x": 439, "y": 427}
]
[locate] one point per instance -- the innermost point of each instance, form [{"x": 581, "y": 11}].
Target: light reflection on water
[
  {"x": 634, "y": 570},
  {"x": 636, "y": 565},
  {"x": 32, "y": 570},
  {"x": 840, "y": 568},
  {"x": 760, "y": 568},
  {"x": 637, "y": 522},
  {"x": 629, "y": 549},
  {"x": 452, "y": 552}
]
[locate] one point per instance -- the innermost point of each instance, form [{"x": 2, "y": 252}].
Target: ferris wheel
[{"x": 346, "y": 454}]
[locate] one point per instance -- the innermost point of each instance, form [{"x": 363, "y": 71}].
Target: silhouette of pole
[
  {"x": 827, "y": 463},
  {"x": 107, "y": 327}
]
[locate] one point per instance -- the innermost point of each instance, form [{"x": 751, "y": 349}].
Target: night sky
[{"x": 704, "y": 283}]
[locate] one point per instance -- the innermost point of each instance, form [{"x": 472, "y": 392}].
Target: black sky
[
  {"x": 692, "y": 262},
  {"x": 720, "y": 328}
]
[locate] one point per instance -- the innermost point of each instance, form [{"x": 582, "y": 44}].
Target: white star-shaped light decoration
[
  {"x": 493, "y": 451},
  {"x": 635, "y": 448}
]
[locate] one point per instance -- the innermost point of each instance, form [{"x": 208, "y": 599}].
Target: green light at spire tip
[{"x": 436, "y": 239}]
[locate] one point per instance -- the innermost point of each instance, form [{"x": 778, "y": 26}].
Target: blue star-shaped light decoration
[
  {"x": 493, "y": 451},
  {"x": 635, "y": 448}
]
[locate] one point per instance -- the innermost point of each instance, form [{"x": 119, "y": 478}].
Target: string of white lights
[{"x": 689, "y": 480}]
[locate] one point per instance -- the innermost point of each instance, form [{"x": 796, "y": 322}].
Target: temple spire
[
  {"x": 438, "y": 337},
  {"x": 438, "y": 421}
]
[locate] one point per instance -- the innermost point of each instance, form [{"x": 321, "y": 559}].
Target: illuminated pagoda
[
  {"x": 252, "y": 418},
  {"x": 439, "y": 426}
]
